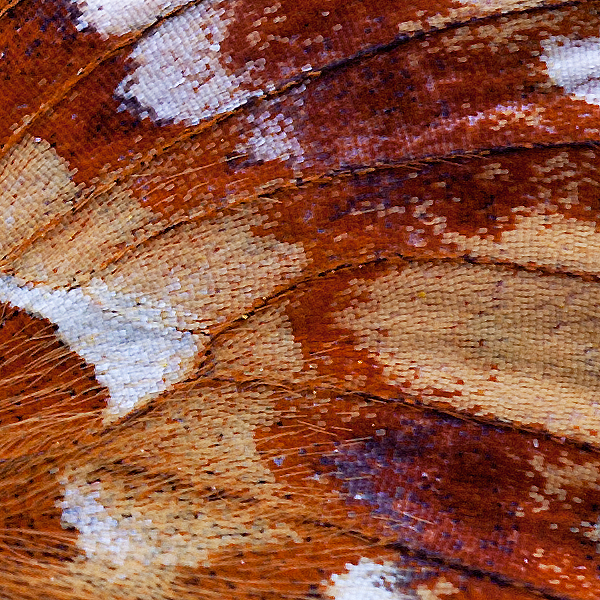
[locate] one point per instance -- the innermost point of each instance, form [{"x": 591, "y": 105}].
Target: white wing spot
[
  {"x": 180, "y": 75},
  {"x": 574, "y": 65},
  {"x": 271, "y": 137},
  {"x": 136, "y": 357},
  {"x": 119, "y": 17},
  {"x": 369, "y": 581}
]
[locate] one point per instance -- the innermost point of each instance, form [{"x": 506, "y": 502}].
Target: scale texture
[{"x": 299, "y": 300}]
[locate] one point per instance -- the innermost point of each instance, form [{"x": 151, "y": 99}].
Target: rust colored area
[
  {"x": 492, "y": 342},
  {"x": 342, "y": 259},
  {"x": 376, "y": 111},
  {"x": 493, "y": 500},
  {"x": 411, "y": 103},
  {"x": 31, "y": 518},
  {"x": 480, "y": 207},
  {"x": 89, "y": 124},
  {"x": 35, "y": 37},
  {"x": 331, "y": 559},
  {"x": 96, "y": 138},
  {"x": 49, "y": 396}
]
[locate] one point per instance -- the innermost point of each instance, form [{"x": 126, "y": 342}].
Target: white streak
[
  {"x": 100, "y": 534},
  {"x": 369, "y": 581},
  {"x": 118, "y": 17},
  {"x": 272, "y": 137},
  {"x": 136, "y": 358}
]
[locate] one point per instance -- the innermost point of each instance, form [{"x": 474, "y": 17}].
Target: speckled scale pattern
[{"x": 299, "y": 300}]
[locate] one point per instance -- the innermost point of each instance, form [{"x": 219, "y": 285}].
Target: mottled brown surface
[
  {"x": 336, "y": 265},
  {"x": 495, "y": 500}
]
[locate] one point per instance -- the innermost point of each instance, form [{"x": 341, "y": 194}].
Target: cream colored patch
[
  {"x": 190, "y": 484},
  {"x": 542, "y": 235},
  {"x": 566, "y": 475},
  {"x": 500, "y": 5},
  {"x": 519, "y": 346},
  {"x": 35, "y": 188},
  {"x": 260, "y": 347},
  {"x": 442, "y": 587},
  {"x": 478, "y": 9},
  {"x": 565, "y": 482},
  {"x": 506, "y": 116},
  {"x": 181, "y": 72},
  {"x": 76, "y": 248},
  {"x": 501, "y": 34},
  {"x": 271, "y": 136},
  {"x": 370, "y": 581},
  {"x": 118, "y": 17},
  {"x": 132, "y": 321},
  {"x": 574, "y": 65},
  {"x": 546, "y": 240},
  {"x": 201, "y": 274}
]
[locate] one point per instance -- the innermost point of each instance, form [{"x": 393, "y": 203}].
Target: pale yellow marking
[
  {"x": 584, "y": 476},
  {"x": 478, "y": 9},
  {"x": 201, "y": 274},
  {"x": 260, "y": 347},
  {"x": 518, "y": 346},
  {"x": 135, "y": 537},
  {"x": 35, "y": 188},
  {"x": 408, "y": 27},
  {"x": 71, "y": 252},
  {"x": 370, "y": 581},
  {"x": 549, "y": 240},
  {"x": 442, "y": 587}
]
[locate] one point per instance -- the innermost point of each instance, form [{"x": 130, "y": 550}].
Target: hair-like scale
[{"x": 299, "y": 300}]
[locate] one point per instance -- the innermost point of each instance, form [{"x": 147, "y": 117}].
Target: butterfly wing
[{"x": 244, "y": 245}]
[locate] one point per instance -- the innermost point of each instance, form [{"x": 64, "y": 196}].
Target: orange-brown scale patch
[
  {"x": 313, "y": 322},
  {"x": 103, "y": 123},
  {"x": 30, "y": 523},
  {"x": 462, "y": 208},
  {"x": 305, "y": 133},
  {"x": 326, "y": 32},
  {"x": 491, "y": 341},
  {"x": 309, "y": 39},
  {"x": 301, "y": 340},
  {"x": 494, "y": 500},
  {"x": 376, "y": 111},
  {"x": 42, "y": 53},
  {"x": 378, "y": 98},
  {"x": 49, "y": 396},
  {"x": 310, "y": 570},
  {"x": 329, "y": 353},
  {"x": 89, "y": 131},
  {"x": 197, "y": 177},
  {"x": 420, "y": 100}
]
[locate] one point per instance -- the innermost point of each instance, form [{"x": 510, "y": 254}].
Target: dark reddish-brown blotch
[{"x": 299, "y": 300}]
